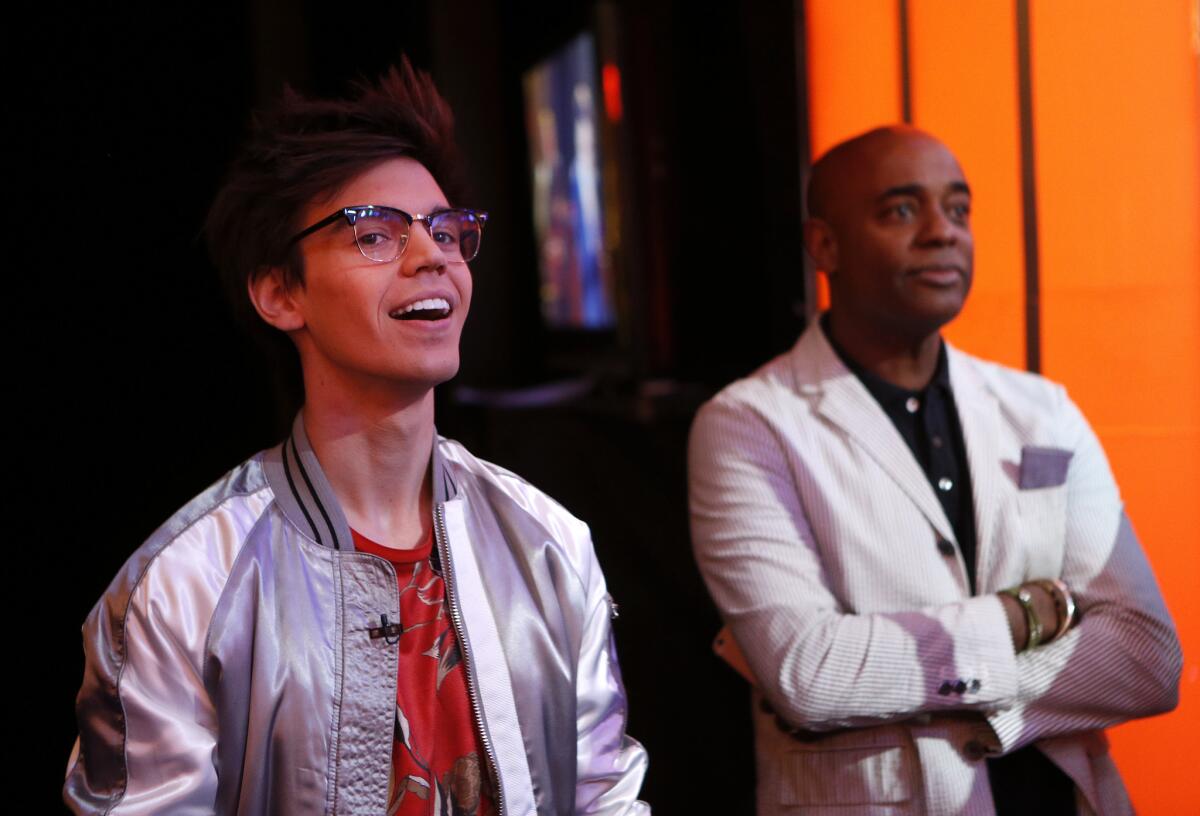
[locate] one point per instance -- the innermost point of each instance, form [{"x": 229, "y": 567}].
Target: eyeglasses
[{"x": 382, "y": 232}]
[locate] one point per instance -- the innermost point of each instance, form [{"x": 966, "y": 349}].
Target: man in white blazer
[{"x": 922, "y": 555}]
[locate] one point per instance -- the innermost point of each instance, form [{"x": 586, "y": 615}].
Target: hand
[{"x": 1043, "y": 606}]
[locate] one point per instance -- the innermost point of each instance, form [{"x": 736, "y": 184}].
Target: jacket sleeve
[
  {"x": 611, "y": 764},
  {"x": 146, "y": 726},
  {"x": 1123, "y": 659},
  {"x": 820, "y": 667}
]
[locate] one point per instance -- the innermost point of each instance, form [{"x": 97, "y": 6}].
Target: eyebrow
[{"x": 915, "y": 190}]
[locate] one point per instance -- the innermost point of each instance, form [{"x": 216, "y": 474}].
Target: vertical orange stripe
[
  {"x": 853, "y": 62},
  {"x": 853, "y": 68},
  {"x": 1117, "y": 129},
  {"x": 964, "y": 90}
]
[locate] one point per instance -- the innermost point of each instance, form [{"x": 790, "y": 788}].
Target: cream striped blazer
[{"x": 818, "y": 535}]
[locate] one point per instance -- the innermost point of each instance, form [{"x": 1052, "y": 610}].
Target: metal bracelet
[
  {"x": 1064, "y": 604},
  {"x": 1032, "y": 621}
]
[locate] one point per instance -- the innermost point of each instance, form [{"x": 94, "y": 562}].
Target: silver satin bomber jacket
[{"x": 230, "y": 665}]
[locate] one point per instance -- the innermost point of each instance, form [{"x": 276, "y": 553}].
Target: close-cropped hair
[{"x": 304, "y": 149}]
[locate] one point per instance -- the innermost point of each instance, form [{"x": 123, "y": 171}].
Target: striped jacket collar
[{"x": 306, "y": 497}]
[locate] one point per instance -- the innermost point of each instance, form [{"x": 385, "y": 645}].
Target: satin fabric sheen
[{"x": 247, "y": 615}]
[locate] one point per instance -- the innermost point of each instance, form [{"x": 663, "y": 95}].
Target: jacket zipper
[{"x": 443, "y": 542}]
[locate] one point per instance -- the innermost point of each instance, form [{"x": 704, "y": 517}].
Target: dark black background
[{"x": 134, "y": 388}]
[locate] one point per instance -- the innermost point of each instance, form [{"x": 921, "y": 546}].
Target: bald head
[
  {"x": 844, "y": 168},
  {"x": 889, "y": 222}
]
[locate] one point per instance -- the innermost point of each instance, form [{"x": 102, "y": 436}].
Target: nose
[
  {"x": 422, "y": 253},
  {"x": 937, "y": 229}
]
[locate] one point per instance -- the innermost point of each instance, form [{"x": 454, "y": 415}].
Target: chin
[
  {"x": 923, "y": 323},
  {"x": 435, "y": 374},
  {"x": 938, "y": 311}
]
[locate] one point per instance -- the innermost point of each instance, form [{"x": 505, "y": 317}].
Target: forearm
[
  {"x": 1121, "y": 661},
  {"x": 610, "y": 763},
  {"x": 789, "y": 592},
  {"x": 822, "y": 670}
]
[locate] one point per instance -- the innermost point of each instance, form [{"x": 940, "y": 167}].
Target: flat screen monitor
[{"x": 562, "y": 105}]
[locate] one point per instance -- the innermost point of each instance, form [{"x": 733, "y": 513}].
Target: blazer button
[
  {"x": 945, "y": 546},
  {"x": 975, "y": 750}
]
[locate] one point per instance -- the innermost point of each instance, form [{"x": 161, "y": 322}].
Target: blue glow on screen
[{"x": 561, "y": 100}]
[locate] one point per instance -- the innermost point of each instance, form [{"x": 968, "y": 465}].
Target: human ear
[
  {"x": 272, "y": 296},
  {"x": 821, "y": 244}
]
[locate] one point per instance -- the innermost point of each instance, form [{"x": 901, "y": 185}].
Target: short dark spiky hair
[{"x": 303, "y": 149}]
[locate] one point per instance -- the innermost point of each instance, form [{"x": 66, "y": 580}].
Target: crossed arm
[{"x": 822, "y": 667}]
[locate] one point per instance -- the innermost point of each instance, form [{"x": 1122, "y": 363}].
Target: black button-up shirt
[{"x": 928, "y": 422}]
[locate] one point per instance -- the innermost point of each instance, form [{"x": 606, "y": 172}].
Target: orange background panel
[
  {"x": 1116, "y": 121},
  {"x": 963, "y": 87},
  {"x": 1117, "y": 133},
  {"x": 853, "y": 68}
]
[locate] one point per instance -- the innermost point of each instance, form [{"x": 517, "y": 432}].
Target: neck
[
  {"x": 374, "y": 444},
  {"x": 903, "y": 359}
]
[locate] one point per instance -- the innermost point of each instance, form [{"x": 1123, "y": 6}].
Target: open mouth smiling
[{"x": 435, "y": 308}]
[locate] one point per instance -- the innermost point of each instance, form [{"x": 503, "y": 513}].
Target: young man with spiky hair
[{"x": 366, "y": 618}]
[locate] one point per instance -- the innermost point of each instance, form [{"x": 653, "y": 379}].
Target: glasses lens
[
  {"x": 457, "y": 232},
  {"x": 381, "y": 234}
]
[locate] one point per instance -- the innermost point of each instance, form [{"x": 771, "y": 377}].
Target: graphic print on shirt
[{"x": 436, "y": 766}]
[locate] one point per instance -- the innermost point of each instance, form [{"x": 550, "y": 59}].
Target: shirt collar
[{"x": 884, "y": 392}]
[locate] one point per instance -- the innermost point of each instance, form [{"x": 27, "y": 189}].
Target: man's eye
[
  {"x": 373, "y": 238},
  {"x": 902, "y": 211},
  {"x": 959, "y": 212},
  {"x": 444, "y": 237}
]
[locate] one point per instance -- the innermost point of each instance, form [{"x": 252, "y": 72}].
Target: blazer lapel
[
  {"x": 844, "y": 401},
  {"x": 979, "y": 414}
]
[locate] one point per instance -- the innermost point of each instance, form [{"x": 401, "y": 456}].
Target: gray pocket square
[{"x": 1043, "y": 467}]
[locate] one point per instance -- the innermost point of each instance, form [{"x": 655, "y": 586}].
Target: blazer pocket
[
  {"x": 866, "y": 775},
  {"x": 1043, "y": 503},
  {"x": 1043, "y": 467},
  {"x": 1042, "y": 528}
]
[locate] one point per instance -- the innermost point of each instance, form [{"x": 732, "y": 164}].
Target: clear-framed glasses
[{"x": 382, "y": 232}]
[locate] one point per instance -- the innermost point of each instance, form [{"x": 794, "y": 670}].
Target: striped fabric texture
[{"x": 882, "y": 685}]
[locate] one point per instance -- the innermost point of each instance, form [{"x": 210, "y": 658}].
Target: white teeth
[{"x": 428, "y": 304}]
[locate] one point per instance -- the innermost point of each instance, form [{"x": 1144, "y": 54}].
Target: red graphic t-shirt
[{"x": 438, "y": 762}]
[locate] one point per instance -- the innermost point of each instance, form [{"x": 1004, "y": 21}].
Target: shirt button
[
  {"x": 945, "y": 547},
  {"x": 912, "y": 405},
  {"x": 945, "y": 484},
  {"x": 936, "y": 441}
]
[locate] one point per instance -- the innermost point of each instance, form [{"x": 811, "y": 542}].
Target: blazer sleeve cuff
[{"x": 975, "y": 666}]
